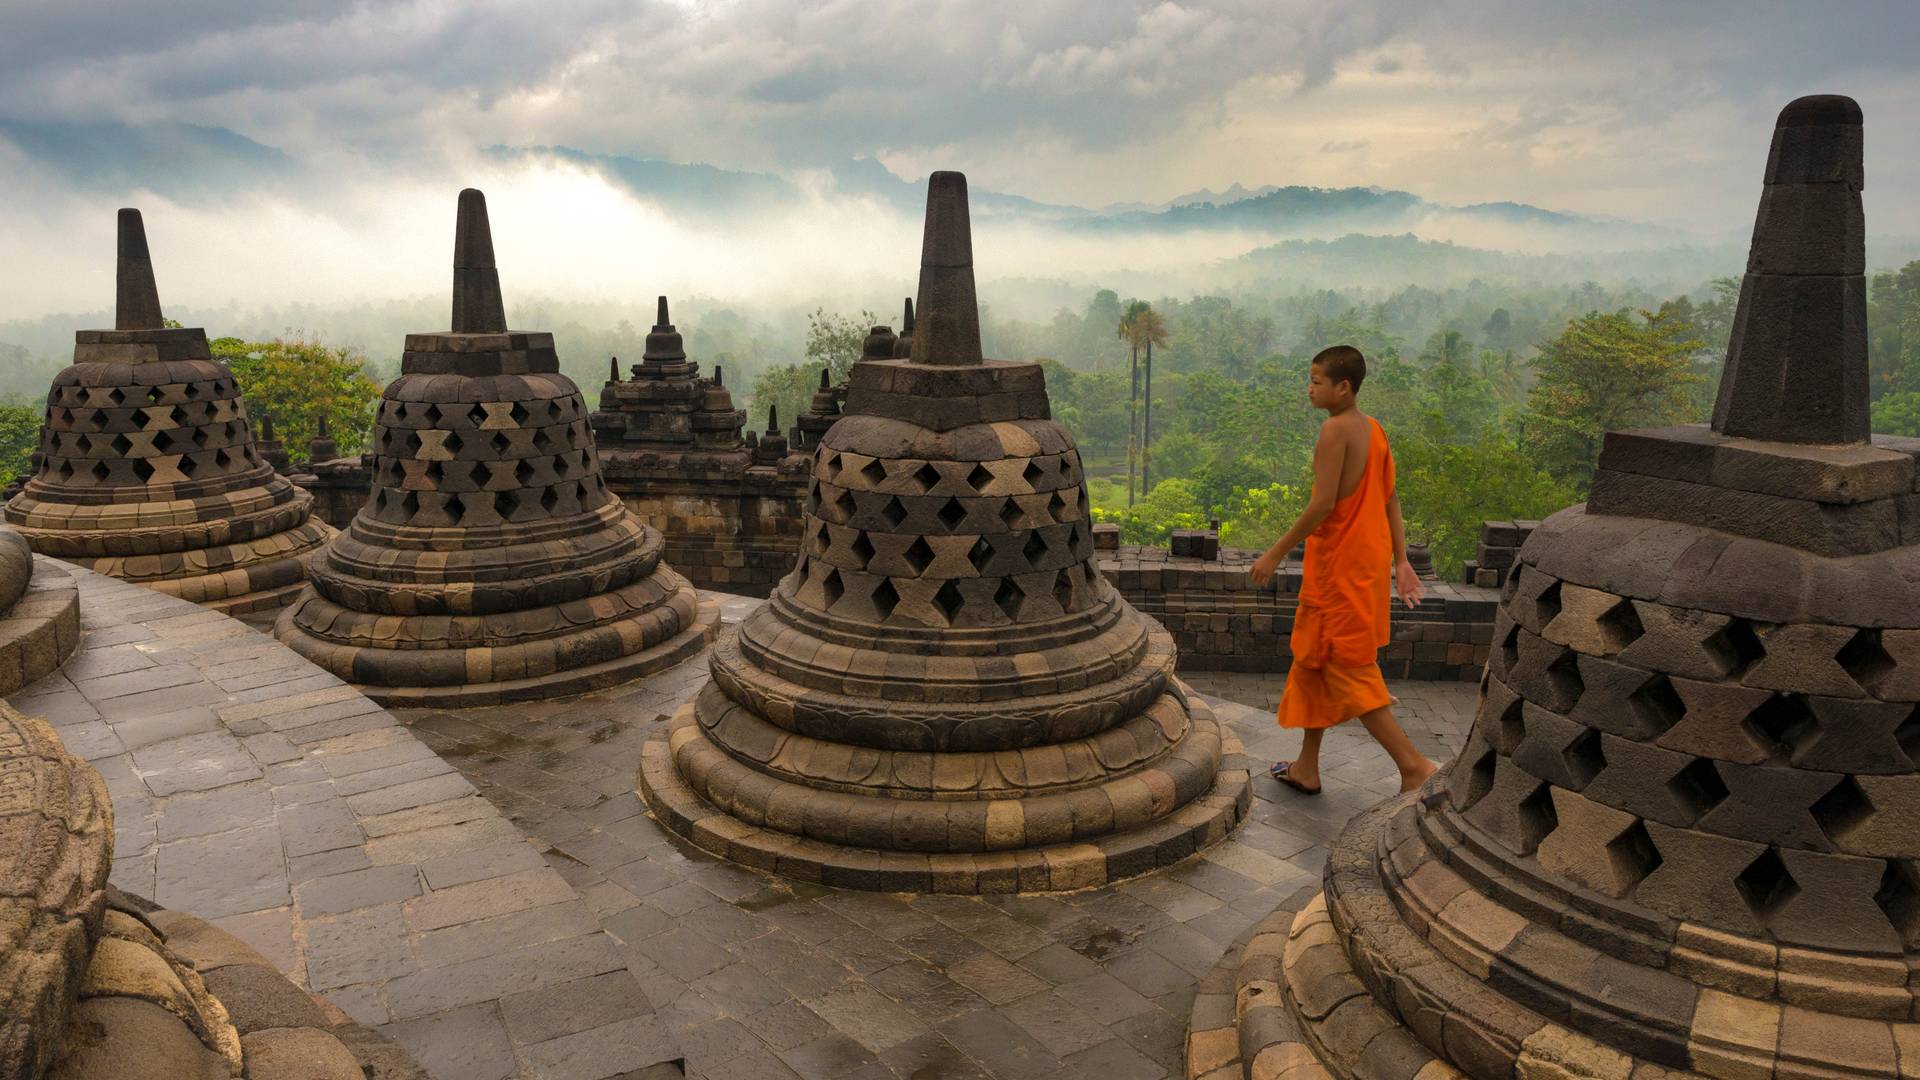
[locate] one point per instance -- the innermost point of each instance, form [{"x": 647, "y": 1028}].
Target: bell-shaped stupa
[
  {"x": 1683, "y": 837},
  {"x": 945, "y": 695},
  {"x": 148, "y": 470},
  {"x": 490, "y": 563}
]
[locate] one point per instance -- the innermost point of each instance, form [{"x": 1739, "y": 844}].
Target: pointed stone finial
[
  {"x": 717, "y": 380},
  {"x": 947, "y": 302},
  {"x": 664, "y": 344},
  {"x": 266, "y": 428},
  {"x": 903, "y": 344},
  {"x": 477, "y": 305},
  {"x": 773, "y": 419},
  {"x": 613, "y": 369},
  {"x": 136, "y": 297},
  {"x": 1797, "y": 362},
  {"x": 322, "y": 447},
  {"x": 826, "y": 378}
]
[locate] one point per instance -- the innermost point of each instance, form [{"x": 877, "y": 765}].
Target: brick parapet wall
[{"x": 1221, "y": 621}]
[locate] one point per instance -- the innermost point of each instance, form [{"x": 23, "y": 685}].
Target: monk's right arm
[
  {"x": 1397, "y": 527},
  {"x": 1405, "y": 581}
]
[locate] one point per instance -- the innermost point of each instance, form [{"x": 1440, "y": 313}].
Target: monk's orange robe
[{"x": 1344, "y": 593}]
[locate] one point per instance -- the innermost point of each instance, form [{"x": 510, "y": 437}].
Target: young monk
[{"x": 1354, "y": 538}]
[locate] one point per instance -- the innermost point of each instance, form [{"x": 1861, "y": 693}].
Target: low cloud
[{"x": 1641, "y": 110}]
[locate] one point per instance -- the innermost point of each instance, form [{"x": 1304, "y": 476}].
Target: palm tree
[
  {"x": 1127, "y": 316},
  {"x": 1149, "y": 329},
  {"x": 1504, "y": 373}
]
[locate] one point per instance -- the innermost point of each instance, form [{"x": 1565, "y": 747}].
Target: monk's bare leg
[
  {"x": 1413, "y": 765},
  {"x": 1306, "y": 766}
]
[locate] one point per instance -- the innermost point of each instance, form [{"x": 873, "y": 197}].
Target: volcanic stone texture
[
  {"x": 148, "y": 470},
  {"x": 1797, "y": 362},
  {"x": 490, "y": 562},
  {"x": 945, "y": 695},
  {"x": 99, "y": 985},
  {"x": 39, "y": 614}
]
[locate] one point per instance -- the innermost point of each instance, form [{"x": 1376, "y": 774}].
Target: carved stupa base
[
  {"x": 39, "y": 614},
  {"x": 1404, "y": 953},
  {"x": 668, "y": 633},
  {"x": 1073, "y": 835},
  {"x": 262, "y": 574}
]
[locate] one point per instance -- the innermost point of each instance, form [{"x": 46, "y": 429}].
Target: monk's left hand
[
  {"x": 1409, "y": 584},
  {"x": 1264, "y": 568}
]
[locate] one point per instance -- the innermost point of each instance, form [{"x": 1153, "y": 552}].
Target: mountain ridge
[{"x": 202, "y": 163}]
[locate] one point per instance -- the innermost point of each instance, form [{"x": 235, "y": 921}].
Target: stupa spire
[
  {"x": 948, "y": 305},
  {"x": 664, "y": 343},
  {"x": 477, "y": 305},
  {"x": 136, "y": 297},
  {"x": 1797, "y": 363}
]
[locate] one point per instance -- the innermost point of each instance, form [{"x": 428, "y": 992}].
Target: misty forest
[{"x": 1494, "y": 395}]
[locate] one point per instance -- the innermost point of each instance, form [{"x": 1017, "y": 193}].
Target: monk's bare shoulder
[{"x": 1350, "y": 430}]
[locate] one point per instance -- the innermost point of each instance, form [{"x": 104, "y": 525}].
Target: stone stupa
[
  {"x": 490, "y": 562},
  {"x": 945, "y": 695},
  {"x": 1682, "y": 838},
  {"x": 148, "y": 470}
]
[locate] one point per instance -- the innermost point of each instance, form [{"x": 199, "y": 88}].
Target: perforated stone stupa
[
  {"x": 1683, "y": 833},
  {"x": 148, "y": 471},
  {"x": 945, "y": 695},
  {"x": 490, "y": 562}
]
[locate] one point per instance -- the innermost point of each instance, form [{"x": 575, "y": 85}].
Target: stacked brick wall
[
  {"x": 1221, "y": 621},
  {"x": 730, "y": 526},
  {"x": 1498, "y": 553}
]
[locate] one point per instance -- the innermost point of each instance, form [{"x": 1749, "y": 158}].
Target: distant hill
[
  {"x": 188, "y": 162},
  {"x": 1359, "y": 259},
  {"x": 869, "y": 177},
  {"x": 204, "y": 164}
]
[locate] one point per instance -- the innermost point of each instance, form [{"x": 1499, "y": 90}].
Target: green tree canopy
[
  {"x": 833, "y": 342},
  {"x": 1893, "y": 330},
  {"x": 1608, "y": 371},
  {"x": 1898, "y": 413},
  {"x": 19, "y": 436},
  {"x": 297, "y": 382}
]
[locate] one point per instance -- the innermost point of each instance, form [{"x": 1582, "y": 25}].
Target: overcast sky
[{"x": 1654, "y": 111}]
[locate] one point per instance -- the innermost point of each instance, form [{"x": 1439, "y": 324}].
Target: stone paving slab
[
  {"x": 759, "y": 977},
  {"x": 254, "y": 790}
]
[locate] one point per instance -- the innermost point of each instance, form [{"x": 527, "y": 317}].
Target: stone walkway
[
  {"x": 763, "y": 978},
  {"x": 254, "y": 790}
]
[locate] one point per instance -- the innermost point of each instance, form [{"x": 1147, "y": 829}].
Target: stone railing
[{"x": 1221, "y": 621}]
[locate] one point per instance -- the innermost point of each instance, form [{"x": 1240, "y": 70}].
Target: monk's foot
[
  {"x": 1412, "y": 780},
  {"x": 1290, "y": 774}
]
